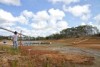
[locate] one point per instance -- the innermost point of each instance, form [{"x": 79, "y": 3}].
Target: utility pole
[
  {"x": 20, "y": 34},
  {"x": 20, "y": 38},
  {"x": 11, "y": 31},
  {"x": 6, "y": 29}
]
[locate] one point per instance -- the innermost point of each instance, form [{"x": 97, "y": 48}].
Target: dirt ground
[
  {"x": 8, "y": 42},
  {"x": 39, "y": 56},
  {"x": 91, "y": 43},
  {"x": 73, "y": 52},
  {"x": 84, "y": 45}
]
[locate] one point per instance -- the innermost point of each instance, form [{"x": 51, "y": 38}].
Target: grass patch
[
  {"x": 42, "y": 58},
  {"x": 9, "y": 50},
  {"x": 13, "y": 63}
]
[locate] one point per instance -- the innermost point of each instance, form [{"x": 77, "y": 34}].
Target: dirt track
[
  {"x": 73, "y": 51},
  {"x": 89, "y": 46}
]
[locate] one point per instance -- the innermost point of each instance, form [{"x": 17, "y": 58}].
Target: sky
[{"x": 46, "y": 17}]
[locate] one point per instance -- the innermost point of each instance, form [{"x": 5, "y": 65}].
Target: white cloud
[
  {"x": 97, "y": 21},
  {"x": 62, "y": 25},
  {"x": 6, "y": 24},
  {"x": 22, "y": 19},
  {"x": 82, "y": 11},
  {"x": 67, "y": 2},
  {"x": 11, "y": 2},
  {"x": 25, "y": 17},
  {"x": 4, "y": 15},
  {"x": 46, "y": 19},
  {"x": 42, "y": 23},
  {"x": 49, "y": 22},
  {"x": 39, "y": 25},
  {"x": 8, "y": 21},
  {"x": 56, "y": 14},
  {"x": 6, "y": 18},
  {"x": 83, "y": 23},
  {"x": 23, "y": 30},
  {"x": 88, "y": 23},
  {"x": 41, "y": 15},
  {"x": 27, "y": 14}
]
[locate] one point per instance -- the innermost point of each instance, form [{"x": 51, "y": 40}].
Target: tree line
[{"x": 74, "y": 32}]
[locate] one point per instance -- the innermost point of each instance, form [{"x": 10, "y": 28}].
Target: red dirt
[
  {"x": 92, "y": 43},
  {"x": 57, "y": 57}
]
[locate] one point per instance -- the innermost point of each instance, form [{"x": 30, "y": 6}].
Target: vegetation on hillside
[{"x": 74, "y": 32}]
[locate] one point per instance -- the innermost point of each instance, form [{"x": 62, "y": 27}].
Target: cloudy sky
[{"x": 46, "y": 17}]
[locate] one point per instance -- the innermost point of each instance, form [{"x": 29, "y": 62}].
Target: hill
[{"x": 76, "y": 32}]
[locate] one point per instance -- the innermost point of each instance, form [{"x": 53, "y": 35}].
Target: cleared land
[{"x": 60, "y": 53}]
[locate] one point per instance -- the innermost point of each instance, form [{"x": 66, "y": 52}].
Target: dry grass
[
  {"x": 91, "y": 43},
  {"x": 55, "y": 57},
  {"x": 38, "y": 56},
  {"x": 29, "y": 57}
]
